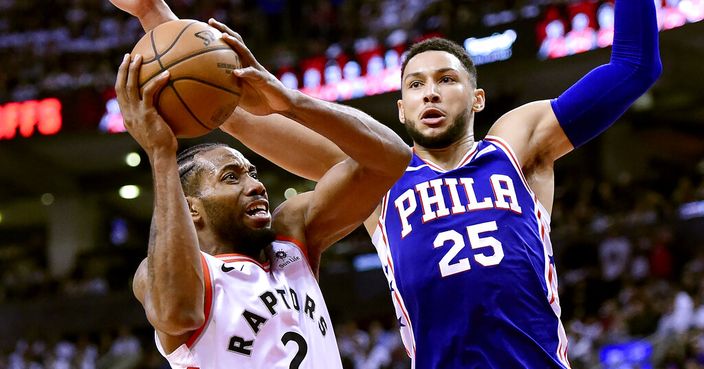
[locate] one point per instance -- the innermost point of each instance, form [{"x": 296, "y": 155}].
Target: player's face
[
  {"x": 438, "y": 99},
  {"x": 235, "y": 203}
]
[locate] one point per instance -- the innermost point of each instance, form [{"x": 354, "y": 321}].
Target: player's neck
[
  {"x": 214, "y": 246},
  {"x": 447, "y": 157}
]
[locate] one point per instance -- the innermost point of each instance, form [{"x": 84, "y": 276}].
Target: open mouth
[
  {"x": 432, "y": 116},
  {"x": 258, "y": 208}
]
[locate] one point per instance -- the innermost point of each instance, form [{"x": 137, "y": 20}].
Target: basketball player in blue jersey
[
  {"x": 463, "y": 236},
  {"x": 226, "y": 284}
]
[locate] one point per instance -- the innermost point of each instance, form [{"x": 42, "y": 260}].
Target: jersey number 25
[{"x": 457, "y": 242}]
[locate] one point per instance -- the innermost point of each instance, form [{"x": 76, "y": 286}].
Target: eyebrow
[
  {"x": 436, "y": 71},
  {"x": 231, "y": 166}
]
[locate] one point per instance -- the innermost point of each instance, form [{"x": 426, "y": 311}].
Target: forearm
[
  {"x": 315, "y": 154},
  {"x": 592, "y": 104},
  {"x": 175, "y": 275},
  {"x": 155, "y": 13},
  {"x": 370, "y": 143}
]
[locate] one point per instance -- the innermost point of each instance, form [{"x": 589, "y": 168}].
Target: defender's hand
[
  {"x": 141, "y": 119},
  {"x": 262, "y": 92}
]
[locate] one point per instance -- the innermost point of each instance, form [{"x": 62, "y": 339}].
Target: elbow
[
  {"x": 400, "y": 157},
  {"x": 179, "y": 321},
  {"x": 651, "y": 70}
]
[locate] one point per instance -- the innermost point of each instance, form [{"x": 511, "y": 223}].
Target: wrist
[
  {"x": 161, "y": 154},
  {"x": 154, "y": 14},
  {"x": 294, "y": 100}
]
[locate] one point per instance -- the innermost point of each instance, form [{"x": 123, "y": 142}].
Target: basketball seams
[
  {"x": 183, "y": 102},
  {"x": 183, "y": 59},
  {"x": 207, "y": 83},
  {"x": 188, "y": 67},
  {"x": 175, "y": 40},
  {"x": 156, "y": 56}
]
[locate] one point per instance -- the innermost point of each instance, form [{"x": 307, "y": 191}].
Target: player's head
[
  {"x": 225, "y": 197},
  {"x": 439, "y": 93}
]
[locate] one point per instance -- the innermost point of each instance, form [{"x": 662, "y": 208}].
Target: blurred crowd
[{"x": 57, "y": 47}]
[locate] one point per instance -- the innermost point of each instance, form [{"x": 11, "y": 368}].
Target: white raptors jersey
[{"x": 268, "y": 315}]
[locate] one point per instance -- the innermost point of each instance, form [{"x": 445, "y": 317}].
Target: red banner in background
[{"x": 31, "y": 117}]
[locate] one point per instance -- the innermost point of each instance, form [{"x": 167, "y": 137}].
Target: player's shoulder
[{"x": 288, "y": 219}]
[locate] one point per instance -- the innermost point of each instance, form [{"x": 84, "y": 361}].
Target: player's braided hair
[
  {"x": 441, "y": 44},
  {"x": 189, "y": 169}
]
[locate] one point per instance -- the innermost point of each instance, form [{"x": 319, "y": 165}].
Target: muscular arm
[
  {"x": 275, "y": 137},
  {"x": 314, "y": 154},
  {"x": 150, "y": 13},
  {"x": 348, "y": 193},
  {"x": 543, "y": 131},
  {"x": 170, "y": 283}
]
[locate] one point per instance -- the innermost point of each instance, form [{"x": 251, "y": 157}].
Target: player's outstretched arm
[
  {"x": 274, "y": 137},
  {"x": 348, "y": 193},
  {"x": 150, "y": 13},
  {"x": 545, "y": 130},
  {"x": 170, "y": 283}
]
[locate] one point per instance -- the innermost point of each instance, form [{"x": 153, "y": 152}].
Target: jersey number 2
[
  {"x": 302, "y": 348},
  {"x": 476, "y": 242}
]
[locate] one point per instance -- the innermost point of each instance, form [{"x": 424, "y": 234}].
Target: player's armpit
[{"x": 534, "y": 134}]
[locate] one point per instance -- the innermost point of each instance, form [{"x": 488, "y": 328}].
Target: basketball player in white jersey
[{"x": 227, "y": 284}]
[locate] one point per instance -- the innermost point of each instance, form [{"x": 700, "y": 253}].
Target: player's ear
[
  {"x": 478, "y": 100},
  {"x": 401, "y": 114}
]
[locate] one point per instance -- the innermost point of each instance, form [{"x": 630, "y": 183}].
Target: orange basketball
[{"x": 201, "y": 92}]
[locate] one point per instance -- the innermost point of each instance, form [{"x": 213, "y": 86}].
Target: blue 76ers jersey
[{"x": 469, "y": 263}]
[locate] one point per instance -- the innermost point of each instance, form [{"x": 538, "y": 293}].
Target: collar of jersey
[
  {"x": 465, "y": 159},
  {"x": 235, "y": 257}
]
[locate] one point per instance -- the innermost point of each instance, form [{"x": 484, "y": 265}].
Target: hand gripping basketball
[
  {"x": 262, "y": 92},
  {"x": 141, "y": 119}
]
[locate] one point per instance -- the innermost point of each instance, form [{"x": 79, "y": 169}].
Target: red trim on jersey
[
  {"x": 507, "y": 149},
  {"x": 239, "y": 257},
  {"x": 395, "y": 293},
  {"x": 465, "y": 159},
  {"x": 208, "y": 301},
  {"x": 296, "y": 242},
  {"x": 384, "y": 205},
  {"x": 550, "y": 291}
]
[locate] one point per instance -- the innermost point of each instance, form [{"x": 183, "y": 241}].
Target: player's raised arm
[
  {"x": 170, "y": 283},
  {"x": 316, "y": 154},
  {"x": 541, "y": 132},
  {"x": 150, "y": 13},
  {"x": 348, "y": 192}
]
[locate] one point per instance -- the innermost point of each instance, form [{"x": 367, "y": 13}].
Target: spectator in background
[
  {"x": 605, "y": 18},
  {"x": 554, "y": 44},
  {"x": 672, "y": 15},
  {"x": 582, "y": 37}
]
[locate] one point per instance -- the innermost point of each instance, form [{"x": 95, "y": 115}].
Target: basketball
[{"x": 201, "y": 92}]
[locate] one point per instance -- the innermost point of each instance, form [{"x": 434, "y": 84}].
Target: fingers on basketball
[
  {"x": 154, "y": 87},
  {"x": 122, "y": 76},
  {"x": 241, "y": 49},
  {"x": 132, "y": 87},
  {"x": 224, "y": 28}
]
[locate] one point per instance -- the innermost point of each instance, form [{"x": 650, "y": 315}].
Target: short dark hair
[
  {"x": 189, "y": 169},
  {"x": 442, "y": 44}
]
